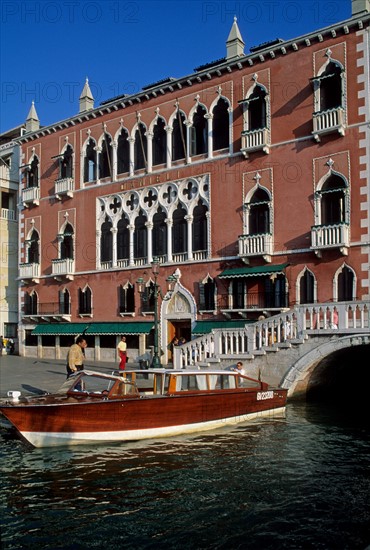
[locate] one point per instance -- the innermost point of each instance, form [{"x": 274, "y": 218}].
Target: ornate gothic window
[
  {"x": 127, "y": 298},
  {"x": 221, "y": 125},
  {"x": 66, "y": 245},
  {"x": 257, "y": 119},
  {"x": 66, "y": 163},
  {"x": 179, "y": 230},
  {"x": 333, "y": 200},
  {"x": 106, "y": 241},
  {"x": 259, "y": 213},
  {"x": 33, "y": 252},
  {"x": 307, "y": 288},
  {"x": 200, "y": 227},
  {"x": 90, "y": 161},
  {"x": 123, "y": 239},
  {"x": 207, "y": 291},
  {"x": 84, "y": 301},
  {"x": 123, "y": 152},
  {"x": 106, "y": 157},
  {"x": 159, "y": 235},
  {"x": 64, "y": 302},
  {"x": 330, "y": 82},
  {"x": 33, "y": 173},
  {"x": 140, "y": 147},
  {"x": 198, "y": 132},
  {"x": 179, "y": 148},
  {"x": 346, "y": 280},
  {"x": 140, "y": 237},
  {"x": 159, "y": 142},
  {"x": 31, "y": 303}
]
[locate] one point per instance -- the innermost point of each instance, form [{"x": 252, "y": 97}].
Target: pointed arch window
[
  {"x": 207, "y": 292},
  {"x": 127, "y": 298},
  {"x": 159, "y": 235},
  {"x": 331, "y": 87},
  {"x": 140, "y": 237},
  {"x": 123, "y": 239},
  {"x": 66, "y": 245},
  {"x": 31, "y": 304},
  {"x": 179, "y": 230},
  {"x": 221, "y": 125},
  {"x": 33, "y": 252},
  {"x": 140, "y": 147},
  {"x": 159, "y": 142},
  {"x": 106, "y": 241},
  {"x": 257, "y": 113},
  {"x": 333, "y": 201},
  {"x": 200, "y": 227},
  {"x": 106, "y": 157},
  {"x": 90, "y": 162},
  {"x": 179, "y": 148},
  {"x": 64, "y": 302},
  {"x": 123, "y": 152},
  {"x": 66, "y": 163},
  {"x": 307, "y": 288},
  {"x": 346, "y": 285},
  {"x": 198, "y": 132},
  {"x": 84, "y": 301},
  {"x": 259, "y": 213},
  {"x": 33, "y": 173}
]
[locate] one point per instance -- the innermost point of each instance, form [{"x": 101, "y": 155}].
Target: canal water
[{"x": 299, "y": 482}]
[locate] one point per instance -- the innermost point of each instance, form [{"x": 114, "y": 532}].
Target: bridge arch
[{"x": 305, "y": 372}]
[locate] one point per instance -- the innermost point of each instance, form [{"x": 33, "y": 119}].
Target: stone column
[{"x": 189, "y": 220}]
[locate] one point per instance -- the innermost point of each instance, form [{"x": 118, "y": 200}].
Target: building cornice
[{"x": 267, "y": 53}]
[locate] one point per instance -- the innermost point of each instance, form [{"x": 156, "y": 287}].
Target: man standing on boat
[
  {"x": 76, "y": 356},
  {"x": 122, "y": 353}
]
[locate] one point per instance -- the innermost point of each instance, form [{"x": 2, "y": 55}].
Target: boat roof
[{"x": 181, "y": 372}]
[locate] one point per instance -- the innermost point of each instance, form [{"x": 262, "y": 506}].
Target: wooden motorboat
[{"x": 93, "y": 407}]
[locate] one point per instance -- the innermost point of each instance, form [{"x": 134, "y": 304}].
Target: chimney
[
  {"x": 360, "y": 6},
  {"x": 32, "y": 120},
  {"x": 86, "y": 98},
  {"x": 234, "y": 43}
]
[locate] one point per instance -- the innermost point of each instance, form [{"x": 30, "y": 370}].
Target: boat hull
[{"x": 140, "y": 418}]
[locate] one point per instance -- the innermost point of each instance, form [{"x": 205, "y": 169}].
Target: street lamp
[{"x": 156, "y": 292}]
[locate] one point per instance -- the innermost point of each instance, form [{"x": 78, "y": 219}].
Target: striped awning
[
  {"x": 93, "y": 329},
  {"x": 246, "y": 271}
]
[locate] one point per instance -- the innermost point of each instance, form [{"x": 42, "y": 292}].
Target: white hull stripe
[{"x": 50, "y": 439}]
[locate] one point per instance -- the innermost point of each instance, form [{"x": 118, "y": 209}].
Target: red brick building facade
[{"x": 248, "y": 181}]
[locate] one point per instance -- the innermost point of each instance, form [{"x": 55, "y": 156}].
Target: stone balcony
[
  {"x": 327, "y": 122},
  {"x": 31, "y": 196},
  {"x": 255, "y": 140},
  {"x": 326, "y": 237},
  {"x": 29, "y": 272},
  {"x": 64, "y": 187},
  {"x": 63, "y": 269},
  {"x": 255, "y": 245}
]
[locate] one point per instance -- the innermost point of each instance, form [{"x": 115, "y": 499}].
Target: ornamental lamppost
[{"x": 156, "y": 292}]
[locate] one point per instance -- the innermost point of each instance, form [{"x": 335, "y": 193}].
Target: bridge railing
[{"x": 278, "y": 331}]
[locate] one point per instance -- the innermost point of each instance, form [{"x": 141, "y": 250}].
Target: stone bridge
[{"x": 295, "y": 349}]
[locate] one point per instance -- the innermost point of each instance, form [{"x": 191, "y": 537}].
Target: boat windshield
[{"x": 87, "y": 383}]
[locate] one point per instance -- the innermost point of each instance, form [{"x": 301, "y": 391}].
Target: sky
[{"x": 49, "y": 47}]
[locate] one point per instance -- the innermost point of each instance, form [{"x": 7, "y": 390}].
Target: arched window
[
  {"x": 33, "y": 248},
  {"x": 123, "y": 152},
  {"x": 66, "y": 245},
  {"x": 207, "y": 290},
  {"x": 179, "y": 149},
  {"x": 200, "y": 227},
  {"x": 198, "y": 132},
  {"x": 221, "y": 125},
  {"x": 123, "y": 239},
  {"x": 159, "y": 234},
  {"x": 106, "y": 241},
  {"x": 64, "y": 302},
  {"x": 31, "y": 303},
  {"x": 345, "y": 285},
  {"x": 127, "y": 298},
  {"x": 259, "y": 213},
  {"x": 333, "y": 201},
  {"x": 90, "y": 162},
  {"x": 84, "y": 301},
  {"x": 179, "y": 230},
  {"x": 106, "y": 157},
  {"x": 66, "y": 163},
  {"x": 331, "y": 87},
  {"x": 257, "y": 109},
  {"x": 140, "y": 147},
  {"x": 307, "y": 288},
  {"x": 159, "y": 142},
  {"x": 33, "y": 173},
  {"x": 140, "y": 237}
]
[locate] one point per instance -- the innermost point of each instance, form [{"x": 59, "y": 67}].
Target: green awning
[
  {"x": 205, "y": 327},
  {"x": 126, "y": 328},
  {"x": 246, "y": 271}
]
